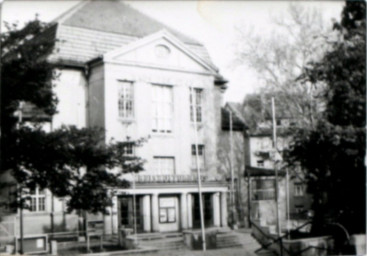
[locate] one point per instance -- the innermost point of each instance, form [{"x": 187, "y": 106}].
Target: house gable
[{"x": 160, "y": 50}]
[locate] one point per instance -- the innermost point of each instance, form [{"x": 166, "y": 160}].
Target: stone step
[{"x": 170, "y": 243}]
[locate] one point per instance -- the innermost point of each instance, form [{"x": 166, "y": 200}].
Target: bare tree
[{"x": 298, "y": 38}]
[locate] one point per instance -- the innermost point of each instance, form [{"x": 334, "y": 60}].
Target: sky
[{"x": 210, "y": 22}]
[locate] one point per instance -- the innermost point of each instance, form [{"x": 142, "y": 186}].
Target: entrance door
[
  {"x": 127, "y": 213},
  {"x": 207, "y": 209}
]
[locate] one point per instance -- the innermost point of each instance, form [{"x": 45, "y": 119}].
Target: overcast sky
[{"x": 211, "y": 22}]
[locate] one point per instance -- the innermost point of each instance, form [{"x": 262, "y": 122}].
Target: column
[
  {"x": 223, "y": 206},
  {"x": 155, "y": 213},
  {"x": 146, "y": 214},
  {"x": 216, "y": 209},
  {"x": 189, "y": 210},
  {"x": 183, "y": 208}
]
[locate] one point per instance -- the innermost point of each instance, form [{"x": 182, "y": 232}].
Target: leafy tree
[
  {"x": 332, "y": 153},
  {"x": 70, "y": 162}
]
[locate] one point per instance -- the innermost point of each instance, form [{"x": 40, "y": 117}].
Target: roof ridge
[
  {"x": 165, "y": 26},
  {"x": 66, "y": 14},
  {"x": 117, "y": 11}
]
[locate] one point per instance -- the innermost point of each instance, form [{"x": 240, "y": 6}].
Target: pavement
[{"x": 216, "y": 252}]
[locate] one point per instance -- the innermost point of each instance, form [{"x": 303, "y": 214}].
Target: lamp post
[{"x": 193, "y": 98}]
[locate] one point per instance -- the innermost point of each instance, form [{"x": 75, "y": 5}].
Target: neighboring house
[
  {"x": 134, "y": 77},
  {"x": 253, "y": 164},
  {"x": 260, "y": 169}
]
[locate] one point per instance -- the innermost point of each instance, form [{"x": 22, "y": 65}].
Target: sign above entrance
[{"x": 167, "y": 202}]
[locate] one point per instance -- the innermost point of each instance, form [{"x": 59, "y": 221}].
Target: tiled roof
[
  {"x": 93, "y": 28},
  {"x": 117, "y": 17}
]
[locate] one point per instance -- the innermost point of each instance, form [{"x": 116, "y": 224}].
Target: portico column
[
  {"x": 216, "y": 209},
  {"x": 146, "y": 213},
  {"x": 189, "y": 210},
  {"x": 183, "y": 208},
  {"x": 155, "y": 214},
  {"x": 223, "y": 207}
]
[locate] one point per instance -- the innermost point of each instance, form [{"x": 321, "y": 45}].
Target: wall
[
  {"x": 96, "y": 100},
  {"x": 71, "y": 92},
  {"x": 183, "y": 131},
  {"x": 241, "y": 185}
]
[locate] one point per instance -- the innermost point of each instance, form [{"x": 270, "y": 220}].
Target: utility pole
[
  {"x": 193, "y": 101},
  {"x": 233, "y": 210},
  {"x": 20, "y": 120},
  {"x": 134, "y": 209},
  {"x": 277, "y": 158}
]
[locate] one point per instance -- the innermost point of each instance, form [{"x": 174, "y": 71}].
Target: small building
[{"x": 254, "y": 170}]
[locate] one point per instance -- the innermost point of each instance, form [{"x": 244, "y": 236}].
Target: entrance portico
[{"x": 172, "y": 207}]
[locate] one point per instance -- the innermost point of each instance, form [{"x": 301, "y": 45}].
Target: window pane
[
  {"x": 201, "y": 157},
  {"x": 162, "y": 107},
  {"x": 41, "y": 204},
  {"x": 33, "y": 206},
  {"x": 197, "y": 105},
  {"x": 125, "y": 102},
  {"x": 164, "y": 165}
]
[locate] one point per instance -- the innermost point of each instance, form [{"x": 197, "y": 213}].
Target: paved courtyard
[{"x": 218, "y": 252}]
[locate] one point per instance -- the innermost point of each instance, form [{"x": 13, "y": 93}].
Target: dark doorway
[
  {"x": 207, "y": 209},
  {"x": 127, "y": 213}
]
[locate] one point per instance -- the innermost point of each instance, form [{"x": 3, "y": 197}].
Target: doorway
[
  {"x": 126, "y": 213},
  {"x": 207, "y": 210}
]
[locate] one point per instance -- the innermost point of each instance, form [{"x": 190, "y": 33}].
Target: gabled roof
[
  {"x": 168, "y": 37},
  {"x": 92, "y": 28},
  {"x": 116, "y": 17}
]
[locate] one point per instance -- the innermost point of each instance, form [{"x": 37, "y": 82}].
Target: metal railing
[
  {"x": 276, "y": 240},
  {"x": 176, "y": 178}
]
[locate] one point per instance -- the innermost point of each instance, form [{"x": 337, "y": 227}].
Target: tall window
[
  {"x": 196, "y": 101},
  {"x": 126, "y": 102},
  {"x": 38, "y": 199},
  {"x": 201, "y": 157},
  {"x": 164, "y": 165},
  {"x": 162, "y": 109}
]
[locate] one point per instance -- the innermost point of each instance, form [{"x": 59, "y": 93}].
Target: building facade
[{"x": 137, "y": 78}]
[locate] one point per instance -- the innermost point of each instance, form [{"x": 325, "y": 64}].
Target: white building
[{"x": 129, "y": 74}]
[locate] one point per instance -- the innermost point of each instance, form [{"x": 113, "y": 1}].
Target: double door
[{"x": 207, "y": 210}]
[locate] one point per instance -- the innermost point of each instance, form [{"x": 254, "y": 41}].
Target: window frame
[
  {"x": 201, "y": 148},
  {"x": 166, "y": 210},
  {"x": 160, "y": 118},
  {"x": 129, "y": 146},
  {"x": 35, "y": 202},
  {"x": 298, "y": 190},
  {"x": 121, "y": 84},
  {"x": 195, "y": 91},
  {"x": 159, "y": 172}
]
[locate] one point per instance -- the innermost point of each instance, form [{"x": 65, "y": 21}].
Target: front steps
[{"x": 161, "y": 241}]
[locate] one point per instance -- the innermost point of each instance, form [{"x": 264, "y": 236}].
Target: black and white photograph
[{"x": 183, "y": 127}]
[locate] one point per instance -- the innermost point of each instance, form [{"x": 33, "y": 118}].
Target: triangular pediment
[{"x": 161, "y": 50}]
